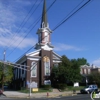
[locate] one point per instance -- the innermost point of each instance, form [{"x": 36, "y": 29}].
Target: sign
[
  {"x": 33, "y": 85},
  {"x": 27, "y": 82},
  {"x": 47, "y": 82},
  {"x": 76, "y": 84},
  {"x": 35, "y": 89}
]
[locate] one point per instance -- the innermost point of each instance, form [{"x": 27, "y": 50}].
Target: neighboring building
[
  {"x": 95, "y": 69},
  {"x": 85, "y": 70},
  {"x": 40, "y": 61}
]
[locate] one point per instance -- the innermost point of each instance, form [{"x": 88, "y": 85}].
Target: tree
[
  {"x": 6, "y": 73},
  {"x": 75, "y": 70},
  {"x": 64, "y": 69},
  {"x": 67, "y": 71},
  {"x": 82, "y": 61},
  {"x": 60, "y": 74},
  {"x": 94, "y": 78}
]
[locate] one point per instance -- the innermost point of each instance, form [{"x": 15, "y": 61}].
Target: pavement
[{"x": 54, "y": 93}]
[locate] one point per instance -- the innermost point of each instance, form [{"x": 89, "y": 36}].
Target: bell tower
[{"x": 44, "y": 32}]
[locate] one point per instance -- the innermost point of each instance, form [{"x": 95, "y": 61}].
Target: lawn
[
  {"x": 71, "y": 88},
  {"x": 39, "y": 90}
]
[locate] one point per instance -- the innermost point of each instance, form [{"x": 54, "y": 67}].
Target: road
[{"x": 77, "y": 97}]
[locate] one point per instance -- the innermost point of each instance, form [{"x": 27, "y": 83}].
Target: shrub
[
  {"x": 61, "y": 86},
  {"x": 47, "y": 87}
]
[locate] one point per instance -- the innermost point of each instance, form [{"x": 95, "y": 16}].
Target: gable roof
[{"x": 35, "y": 56}]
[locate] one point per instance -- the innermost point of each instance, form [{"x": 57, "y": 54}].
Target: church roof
[{"x": 44, "y": 16}]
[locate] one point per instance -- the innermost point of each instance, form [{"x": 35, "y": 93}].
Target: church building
[{"x": 39, "y": 63}]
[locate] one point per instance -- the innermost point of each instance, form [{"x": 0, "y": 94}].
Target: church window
[
  {"x": 34, "y": 69},
  {"x": 47, "y": 66}
]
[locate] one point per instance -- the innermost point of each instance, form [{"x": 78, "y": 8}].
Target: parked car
[{"x": 90, "y": 88}]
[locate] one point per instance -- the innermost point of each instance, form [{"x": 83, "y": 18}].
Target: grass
[
  {"x": 70, "y": 88},
  {"x": 40, "y": 90}
]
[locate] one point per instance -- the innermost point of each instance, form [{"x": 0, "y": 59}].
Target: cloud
[
  {"x": 16, "y": 41},
  {"x": 10, "y": 19},
  {"x": 62, "y": 47},
  {"x": 96, "y": 62}
]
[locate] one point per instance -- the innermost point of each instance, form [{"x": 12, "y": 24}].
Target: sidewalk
[{"x": 15, "y": 94}]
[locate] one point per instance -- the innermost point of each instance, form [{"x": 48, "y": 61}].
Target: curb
[{"x": 50, "y": 96}]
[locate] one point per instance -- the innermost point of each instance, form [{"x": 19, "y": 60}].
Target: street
[{"x": 77, "y": 97}]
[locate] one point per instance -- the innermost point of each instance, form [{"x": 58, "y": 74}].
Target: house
[
  {"x": 85, "y": 69},
  {"x": 36, "y": 66}
]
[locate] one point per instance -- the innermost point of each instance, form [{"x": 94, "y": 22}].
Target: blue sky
[{"x": 78, "y": 37}]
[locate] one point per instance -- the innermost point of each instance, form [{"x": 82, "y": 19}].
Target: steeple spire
[
  {"x": 44, "y": 16},
  {"x": 44, "y": 32}
]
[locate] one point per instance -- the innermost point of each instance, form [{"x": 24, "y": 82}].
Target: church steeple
[
  {"x": 44, "y": 32},
  {"x": 44, "y": 22}
]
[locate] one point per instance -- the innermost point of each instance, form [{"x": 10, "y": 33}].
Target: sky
[{"x": 77, "y": 37}]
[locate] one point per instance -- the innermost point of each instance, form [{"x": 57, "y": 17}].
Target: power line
[
  {"x": 71, "y": 15},
  {"x": 31, "y": 29},
  {"x": 64, "y": 21},
  {"x": 35, "y": 25},
  {"x": 23, "y": 23},
  {"x": 71, "y": 11}
]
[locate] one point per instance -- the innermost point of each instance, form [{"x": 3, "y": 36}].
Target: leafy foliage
[
  {"x": 82, "y": 61},
  {"x": 46, "y": 87},
  {"x": 6, "y": 73},
  {"x": 61, "y": 86},
  {"x": 68, "y": 70},
  {"x": 94, "y": 78}
]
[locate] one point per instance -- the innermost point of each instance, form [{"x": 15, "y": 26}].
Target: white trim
[
  {"x": 56, "y": 54},
  {"x": 57, "y": 61},
  {"x": 33, "y": 53},
  {"x": 33, "y": 59}
]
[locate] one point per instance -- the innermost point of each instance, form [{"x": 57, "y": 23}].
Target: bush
[
  {"x": 46, "y": 87},
  {"x": 61, "y": 86}
]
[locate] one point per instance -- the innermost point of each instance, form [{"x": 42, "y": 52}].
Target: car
[{"x": 89, "y": 88}]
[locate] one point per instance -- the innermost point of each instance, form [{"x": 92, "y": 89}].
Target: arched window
[
  {"x": 46, "y": 66},
  {"x": 33, "y": 69}
]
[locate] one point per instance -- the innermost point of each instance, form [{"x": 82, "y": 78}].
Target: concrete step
[{"x": 56, "y": 90}]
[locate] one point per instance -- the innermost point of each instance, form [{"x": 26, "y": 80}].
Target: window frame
[{"x": 33, "y": 69}]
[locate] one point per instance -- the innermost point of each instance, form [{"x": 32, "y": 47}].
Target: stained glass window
[{"x": 47, "y": 66}]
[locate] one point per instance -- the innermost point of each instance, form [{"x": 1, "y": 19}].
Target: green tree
[
  {"x": 67, "y": 71},
  {"x": 82, "y": 61},
  {"x": 6, "y": 73},
  {"x": 75, "y": 71},
  {"x": 94, "y": 78},
  {"x": 64, "y": 69},
  {"x": 60, "y": 73}
]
